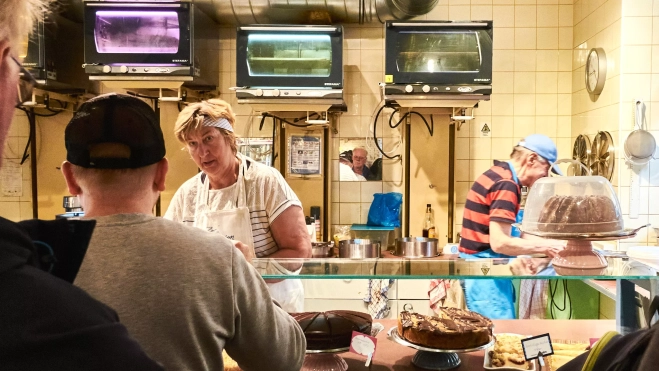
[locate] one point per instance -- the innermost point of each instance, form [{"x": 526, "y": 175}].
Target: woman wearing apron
[{"x": 244, "y": 200}]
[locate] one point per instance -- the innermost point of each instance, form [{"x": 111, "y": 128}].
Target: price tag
[
  {"x": 537, "y": 346},
  {"x": 363, "y": 345}
]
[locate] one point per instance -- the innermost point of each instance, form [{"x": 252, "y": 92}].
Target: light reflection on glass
[
  {"x": 438, "y": 52},
  {"x": 132, "y": 32},
  {"x": 289, "y": 55}
]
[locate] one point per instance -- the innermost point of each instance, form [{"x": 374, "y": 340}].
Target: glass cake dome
[{"x": 572, "y": 206}]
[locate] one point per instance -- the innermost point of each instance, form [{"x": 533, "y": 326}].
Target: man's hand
[
  {"x": 552, "y": 247},
  {"x": 246, "y": 250},
  {"x": 523, "y": 266}
]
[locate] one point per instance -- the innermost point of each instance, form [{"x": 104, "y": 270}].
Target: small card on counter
[
  {"x": 364, "y": 345},
  {"x": 537, "y": 346}
]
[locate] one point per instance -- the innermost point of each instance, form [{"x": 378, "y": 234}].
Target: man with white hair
[
  {"x": 45, "y": 322},
  {"x": 492, "y": 206}
]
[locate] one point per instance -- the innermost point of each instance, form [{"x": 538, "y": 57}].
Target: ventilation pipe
[{"x": 241, "y": 12}]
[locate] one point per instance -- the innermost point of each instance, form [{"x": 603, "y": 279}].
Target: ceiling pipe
[{"x": 242, "y": 12}]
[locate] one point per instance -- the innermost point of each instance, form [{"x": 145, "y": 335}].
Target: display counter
[
  {"x": 395, "y": 357},
  {"x": 623, "y": 272}
]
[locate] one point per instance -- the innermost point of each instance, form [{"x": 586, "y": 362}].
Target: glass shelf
[{"x": 442, "y": 267}]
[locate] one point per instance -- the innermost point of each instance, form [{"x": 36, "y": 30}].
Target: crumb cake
[{"x": 453, "y": 328}]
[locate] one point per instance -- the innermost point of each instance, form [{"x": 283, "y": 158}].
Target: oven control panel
[
  {"x": 137, "y": 70},
  {"x": 412, "y": 89},
  {"x": 288, "y": 93}
]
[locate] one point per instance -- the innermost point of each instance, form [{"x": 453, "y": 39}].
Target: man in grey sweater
[{"x": 183, "y": 293}]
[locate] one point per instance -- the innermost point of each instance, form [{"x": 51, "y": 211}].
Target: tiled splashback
[{"x": 627, "y": 31}]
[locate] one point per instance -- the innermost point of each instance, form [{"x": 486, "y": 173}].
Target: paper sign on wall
[{"x": 11, "y": 179}]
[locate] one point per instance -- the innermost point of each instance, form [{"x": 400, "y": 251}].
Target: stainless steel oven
[
  {"x": 289, "y": 61},
  {"x": 147, "y": 39},
  {"x": 54, "y": 56},
  {"x": 438, "y": 57}
]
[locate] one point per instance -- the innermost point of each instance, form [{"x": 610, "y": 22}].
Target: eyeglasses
[
  {"x": 25, "y": 85},
  {"x": 358, "y": 158}
]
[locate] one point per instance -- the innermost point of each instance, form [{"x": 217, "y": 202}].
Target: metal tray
[
  {"x": 605, "y": 236},
  {"x": 393, "y": 334},
  {"x": 337, "y": 350}
]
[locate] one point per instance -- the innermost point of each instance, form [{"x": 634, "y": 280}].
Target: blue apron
[{"x": 493, "y": 298}]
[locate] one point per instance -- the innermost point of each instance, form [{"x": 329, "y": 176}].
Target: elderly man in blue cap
[{"x": 493, "y": 205}]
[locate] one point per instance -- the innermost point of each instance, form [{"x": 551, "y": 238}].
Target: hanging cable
[
  {"x": 375, "y": 135},
  {"x": 566, "y": 299},
  {"x": 431, "y": 126}
]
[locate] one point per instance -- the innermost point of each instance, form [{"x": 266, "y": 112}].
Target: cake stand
[
  {"x": 432, "y": 358},
  {"x": 578, "y": 258},
  {"x": 325, "y": 360}
]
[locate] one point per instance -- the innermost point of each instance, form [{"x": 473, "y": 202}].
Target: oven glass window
[
  {"x": 133, "y": 32},
  {"x": 289, "y": 55},
  {"x": 446, "y": 51}
]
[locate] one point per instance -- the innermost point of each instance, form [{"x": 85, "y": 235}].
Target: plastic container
[{"x": 572, "y": 205}]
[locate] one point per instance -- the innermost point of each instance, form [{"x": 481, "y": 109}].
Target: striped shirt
[
  {"x": 495, "y": 196},
  {"x": 268, "y": 195}
]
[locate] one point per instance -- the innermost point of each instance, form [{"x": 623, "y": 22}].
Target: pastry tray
[
  {"x": 393, "y": 334},
  {"x": 487, "y": 362}
]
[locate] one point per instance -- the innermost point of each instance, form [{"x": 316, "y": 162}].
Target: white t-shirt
[
  {"x": 346, "y": 173},
  {"x": 268, "y": 195}
]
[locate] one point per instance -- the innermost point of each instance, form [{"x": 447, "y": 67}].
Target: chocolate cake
[
  {"x": 332, "y": 329},
  {"x": 579, "y": 214},
  {"x": 453, "y": 328}
]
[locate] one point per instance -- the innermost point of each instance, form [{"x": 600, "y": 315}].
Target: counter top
[{"x": 391, "y": 356}]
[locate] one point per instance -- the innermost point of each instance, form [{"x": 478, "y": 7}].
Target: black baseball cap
[{"x": 114, "y": 131}]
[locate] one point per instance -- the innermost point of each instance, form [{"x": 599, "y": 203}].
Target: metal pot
[
  {"x": 71, "y": 204},
  {"x": 322, "y": 249},
  {"x": 359, "y": 249},
  {"x": 416, "y": 247}
]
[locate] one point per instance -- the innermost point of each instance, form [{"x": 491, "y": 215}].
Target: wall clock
[{"x": 595, "y": 71}]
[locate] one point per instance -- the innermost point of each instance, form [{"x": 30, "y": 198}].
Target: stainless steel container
[
  {"x": 416, "y": 247},
  {"x": 322, "y": 249},
  {"x": 71, "y": 204},
  {"x": 359, "y": 249}
]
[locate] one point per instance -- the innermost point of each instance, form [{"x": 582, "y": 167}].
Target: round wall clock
[{"x": 595, "y": 71}]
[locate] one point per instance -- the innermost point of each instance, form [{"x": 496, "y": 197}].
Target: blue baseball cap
[{"x": 544, "y": 147}]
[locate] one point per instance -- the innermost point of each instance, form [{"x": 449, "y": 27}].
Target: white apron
[{"x": 236, "y": 225}]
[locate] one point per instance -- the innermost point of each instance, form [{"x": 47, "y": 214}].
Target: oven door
[
  {"x": 137, "y": 34},
  {"x": 438, "y": 53},
  {"x": 290, "y": 56}
]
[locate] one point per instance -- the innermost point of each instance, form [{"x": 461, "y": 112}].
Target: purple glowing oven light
[{"x": 132, "y": 32}]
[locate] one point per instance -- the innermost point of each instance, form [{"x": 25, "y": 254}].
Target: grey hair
[
  {"x": 17, "y": 18},
  {"x": 519, "y": 151}
]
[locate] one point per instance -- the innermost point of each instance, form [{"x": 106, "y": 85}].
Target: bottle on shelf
[
  {"x": 315, "y": 213},
  {"x": 429, "y": 224}
]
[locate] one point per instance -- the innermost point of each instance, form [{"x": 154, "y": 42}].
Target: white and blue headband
[{"x": 219, "y": 123}]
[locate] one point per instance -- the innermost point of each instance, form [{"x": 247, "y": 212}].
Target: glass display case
[{"x": 624, "y": 271}]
